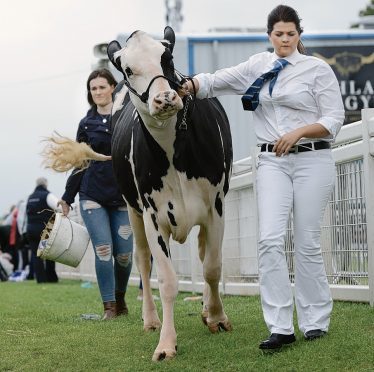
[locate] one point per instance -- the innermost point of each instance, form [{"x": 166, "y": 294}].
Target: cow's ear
[
  {"x": 169, "y": 35},
  {"x": 113, "y": 47}
]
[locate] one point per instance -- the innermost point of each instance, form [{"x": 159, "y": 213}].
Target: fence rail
[{"x": 347, "y": 229}]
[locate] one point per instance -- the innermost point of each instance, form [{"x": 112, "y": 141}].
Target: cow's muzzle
[{"x": 165, "y": 104}]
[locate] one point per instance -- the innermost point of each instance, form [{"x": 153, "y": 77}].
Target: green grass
[{"x": 41, "y": 330}]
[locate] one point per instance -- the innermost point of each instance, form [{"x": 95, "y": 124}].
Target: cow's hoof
[
  {"x": 164, "y": 354},
  {"x": 215, "y": 327}
]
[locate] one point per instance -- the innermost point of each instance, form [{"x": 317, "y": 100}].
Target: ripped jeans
[{"x": 111, "y": 236}]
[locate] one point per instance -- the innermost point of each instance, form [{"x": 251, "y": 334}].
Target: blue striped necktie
[{"x": 250, "y": 99}]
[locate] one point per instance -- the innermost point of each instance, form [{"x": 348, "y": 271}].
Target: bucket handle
[{"x": 71, "y": 229}]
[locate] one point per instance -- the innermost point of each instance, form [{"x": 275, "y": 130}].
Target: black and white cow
[{"x": 172, "y": 160}]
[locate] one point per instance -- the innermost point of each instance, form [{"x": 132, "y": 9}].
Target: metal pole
[{"x": 368, "y": 151}]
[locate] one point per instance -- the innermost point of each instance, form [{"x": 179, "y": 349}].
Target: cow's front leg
[
  {"x": 168, "y": 286},
  {"x": 151, "y": 321},
  {"x": 212, "y": 267}
]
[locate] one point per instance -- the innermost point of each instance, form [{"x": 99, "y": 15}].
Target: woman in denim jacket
[{"x": 102, "y": 207}]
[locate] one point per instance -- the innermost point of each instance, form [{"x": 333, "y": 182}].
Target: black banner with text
[{"x": 354, "y": 68}]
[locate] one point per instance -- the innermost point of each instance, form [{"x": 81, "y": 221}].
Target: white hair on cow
[{"x": 62, "y": 154}]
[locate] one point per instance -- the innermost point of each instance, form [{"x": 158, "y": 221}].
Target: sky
[{"x": 47, "y": 55}]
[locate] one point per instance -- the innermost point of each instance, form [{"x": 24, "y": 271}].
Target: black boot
[
  {"x": 276, "y": 341},
  {"x": 121, "y": 307}
]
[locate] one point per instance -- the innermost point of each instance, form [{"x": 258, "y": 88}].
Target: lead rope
[{"x": 183, "y": 123}]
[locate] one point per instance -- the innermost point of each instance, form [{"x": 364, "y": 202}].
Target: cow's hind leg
[
  {"x": 212, "y": 267},
  {"x": 143, "y": 261},
  {"x": 202, "y": 248}
]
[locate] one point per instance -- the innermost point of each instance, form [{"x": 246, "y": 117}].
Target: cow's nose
[
  {"x": 157, "y": 99},
  {"x": 166, "y": 103},
  {"x": 169, "y": 96}
]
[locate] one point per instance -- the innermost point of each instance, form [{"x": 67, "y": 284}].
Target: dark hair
[
  {"x": 284, "y": 13},
  {"x": 103, "y": 73}
]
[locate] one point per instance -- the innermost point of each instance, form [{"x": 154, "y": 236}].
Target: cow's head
[{"x": 147, "y": 66}]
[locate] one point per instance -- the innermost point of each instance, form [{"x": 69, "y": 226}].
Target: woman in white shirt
[{"x": 298, "y": 116}]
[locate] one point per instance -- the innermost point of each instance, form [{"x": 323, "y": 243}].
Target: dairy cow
[{"x": 172, "y": 159}]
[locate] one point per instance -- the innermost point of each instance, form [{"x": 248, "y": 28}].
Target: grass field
[{"x": 42, "y": 330}]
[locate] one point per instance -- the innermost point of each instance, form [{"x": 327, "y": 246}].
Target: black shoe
[
  {"x": 313, "y": 334},
  {"x": 276, "y": 341}
]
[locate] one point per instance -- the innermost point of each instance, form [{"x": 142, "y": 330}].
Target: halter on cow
[{"x": 173, "y": 168}]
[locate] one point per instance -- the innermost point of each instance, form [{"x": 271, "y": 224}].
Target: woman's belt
[{"x": 309, "y": 146}]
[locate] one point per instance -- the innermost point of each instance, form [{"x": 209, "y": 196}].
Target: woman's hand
[
  {"x": 65, "y": 207},
  {"x": 184, "y": 91},
  {"x": 285, "y": 143},
  {"x": 188, "y": 87}
]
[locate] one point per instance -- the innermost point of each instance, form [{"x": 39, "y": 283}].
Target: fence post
[{"x": 368, "y": 152}]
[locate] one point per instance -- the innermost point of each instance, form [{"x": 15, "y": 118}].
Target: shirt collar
[{"x": 295, "y": 57}]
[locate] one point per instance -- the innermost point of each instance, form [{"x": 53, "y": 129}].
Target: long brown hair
[{"x": 284, "y": 13}]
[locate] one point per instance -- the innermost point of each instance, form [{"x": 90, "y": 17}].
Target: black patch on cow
[
  {"x": 172, "y": 218},
  {"x": 163, "y": 245},
  {"x": 218, "y": 204},
  {"x": 152, "y": 203},
  {"x": 150, "y": 160},
  {"x": 113, "y": 47},
  {"x": 145, "y": 202},
  {"x": 131, "y": 35},
  {"x": 122, "y": 126},
  {"x": 205, "y": 148},
  {"x": 167, "y": 66},
  {"x": 170, "y": 205},
  {"x": 154, "y": 220}
]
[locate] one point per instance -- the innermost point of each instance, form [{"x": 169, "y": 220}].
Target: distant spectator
[
  {"x": 13, "y": 238},
  {"x": 8, "y": 235},
  {"x": 22, "y": 242},
  {"x": 41, "y": 205},
  {"x": 6, "y": 267}
]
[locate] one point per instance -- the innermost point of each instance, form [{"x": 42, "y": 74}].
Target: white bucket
[{"x": 63, "y": 241}]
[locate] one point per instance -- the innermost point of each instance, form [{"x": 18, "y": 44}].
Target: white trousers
[{"x": 304, "y": 182}]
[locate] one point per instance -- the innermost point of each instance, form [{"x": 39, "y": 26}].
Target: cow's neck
[{"x": 163, "y": 132}]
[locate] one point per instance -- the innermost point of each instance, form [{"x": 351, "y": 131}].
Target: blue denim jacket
[{"x": 97, "y": 182}]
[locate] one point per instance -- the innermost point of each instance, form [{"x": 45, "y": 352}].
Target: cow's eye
[{"x": 128, "y": 71}]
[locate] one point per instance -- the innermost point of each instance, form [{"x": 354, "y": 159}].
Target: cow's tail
[{"x": 62, "y": 154}]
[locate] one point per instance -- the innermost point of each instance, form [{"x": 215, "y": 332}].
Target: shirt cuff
[
  {"x": 203, "y": 86},
  {"x": 332, "y": 125}
]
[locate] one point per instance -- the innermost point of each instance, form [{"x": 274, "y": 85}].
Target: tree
[{"x": 369, "y": 10}]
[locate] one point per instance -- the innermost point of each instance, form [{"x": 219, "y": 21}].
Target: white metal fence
[{"x": 347, "y": 231}]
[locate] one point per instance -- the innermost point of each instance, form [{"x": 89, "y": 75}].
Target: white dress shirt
[{"x": 306, "y": 92}]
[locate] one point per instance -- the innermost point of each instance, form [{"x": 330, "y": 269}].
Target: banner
[{"x": 354, "y": 68}]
